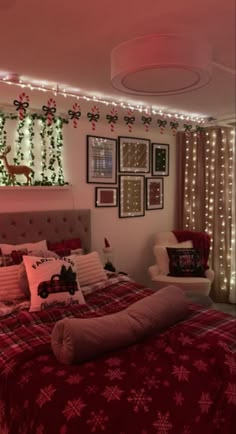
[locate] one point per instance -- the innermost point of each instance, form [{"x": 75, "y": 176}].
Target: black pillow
[{"x": 185, "y": 262}]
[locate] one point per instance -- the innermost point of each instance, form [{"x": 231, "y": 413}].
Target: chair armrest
[
  {"x": 153, "y": 271},
  {"x": 210, "y": 274}
]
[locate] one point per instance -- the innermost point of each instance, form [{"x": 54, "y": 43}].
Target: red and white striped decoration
[
  {"x": 23, "y": 98},
  {"x": 130, "y": 114},
  {"x": 162, "y": 122},
  {"x": 76, "y": 108},
  {"x": 113, "y": 113},
  {"x": 95, "y": 112}
]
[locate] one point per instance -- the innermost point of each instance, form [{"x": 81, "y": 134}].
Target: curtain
[{"x": 206, "y": 180}]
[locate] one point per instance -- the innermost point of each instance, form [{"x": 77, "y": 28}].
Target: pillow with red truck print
[{"x": 53, "y": 282}]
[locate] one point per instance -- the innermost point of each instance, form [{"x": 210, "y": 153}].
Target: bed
[{"x": 181, "y": 380}]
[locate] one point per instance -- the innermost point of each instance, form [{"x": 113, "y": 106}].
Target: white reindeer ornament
[{"x": 13, "y": 169}]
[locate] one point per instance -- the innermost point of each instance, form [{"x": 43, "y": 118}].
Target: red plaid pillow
[
  {"x": 72, "y": 244},
  {"x": 13, "y": 258}
]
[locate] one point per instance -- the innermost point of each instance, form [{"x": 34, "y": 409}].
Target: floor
[{"x": 224, "y": 307}]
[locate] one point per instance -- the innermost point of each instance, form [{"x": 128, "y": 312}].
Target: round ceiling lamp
[{"x": 160, "y": 64}]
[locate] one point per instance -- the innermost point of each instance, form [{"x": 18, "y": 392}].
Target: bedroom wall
[{"x": 131, "y": 238}]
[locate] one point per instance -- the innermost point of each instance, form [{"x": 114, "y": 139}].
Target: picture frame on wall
[
  {"x": 131, "y": 196},
  {"x": 101, "y": 160},
  {"x": 160, "y": 159},
  {"x": 106, "y": 197},
  {"x": 133, "y": 154},
  {"x": 154, "y": 193}
]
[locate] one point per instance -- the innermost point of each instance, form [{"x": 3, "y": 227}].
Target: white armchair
[{"x": 159, "y": 271}]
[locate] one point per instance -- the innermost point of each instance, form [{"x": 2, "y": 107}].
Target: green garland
[
  {"x": 59, "y": 140},
  {"x": 31, "y": 121},
  {"x": 19, "y": 139},
  {"x": 51, "y": 148},
  {"x": 3, "y": 140}
]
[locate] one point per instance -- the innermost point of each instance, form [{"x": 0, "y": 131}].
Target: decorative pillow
[
  {"x": 162, "y": 258},
  {"x": 13, "y": 258},
  {"x": 22, "y": 275},
  {"x": 9, "y": 287},
  {"x": 90, "y": 269},
  {"x": 53, "y": 282},
  {"x": 185, "y": 263},
  {"x": 66, "y": 245},
  {"x": 7, "y": 248}
]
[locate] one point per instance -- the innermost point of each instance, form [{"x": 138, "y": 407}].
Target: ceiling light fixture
[{"x": 161, "y": 64}]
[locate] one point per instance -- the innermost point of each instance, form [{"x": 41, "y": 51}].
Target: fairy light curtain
[
  {"x": 207, "y": 199},
  {"x": 35, "y": 143}
]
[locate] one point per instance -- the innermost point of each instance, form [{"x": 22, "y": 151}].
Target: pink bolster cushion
[{"x": 79, "y": 340}]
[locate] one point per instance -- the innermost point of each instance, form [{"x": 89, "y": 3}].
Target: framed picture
[
  {"x": 106, "y": 197},
  {"x": 134, "y": 155},
  {"x": 160, "y": 159},
  {"x": 101, "y": 160},
  {"x": 131, "y": 196},
  {"x": 154, "y": 193}
]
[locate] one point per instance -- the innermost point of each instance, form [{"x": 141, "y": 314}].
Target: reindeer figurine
[{"x": 13, "y": 170}]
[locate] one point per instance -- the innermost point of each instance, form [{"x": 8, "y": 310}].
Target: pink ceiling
[{"x": 70, "y": 42}]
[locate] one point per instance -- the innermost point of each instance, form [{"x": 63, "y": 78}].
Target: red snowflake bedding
[{"x": 181, "y": 381}]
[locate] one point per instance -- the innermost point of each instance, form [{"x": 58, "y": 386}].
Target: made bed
[{"x": 180, "y": 379}]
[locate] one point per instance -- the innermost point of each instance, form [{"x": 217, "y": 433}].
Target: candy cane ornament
[
  {"x": 162, "y": 124},
  {"x": 129, "y": 119},
  {"x": 94, "y": 116},
  {"x": 75, "y": 114},
  {"x": 112, "y": 118},
  {"x": 187, "y": 128},
  {"x": 50, "y": 110},
  {"x": 174, "y": 126},
  {"x": 22, "y": 105},
  {"x": 146, "y": 122}
]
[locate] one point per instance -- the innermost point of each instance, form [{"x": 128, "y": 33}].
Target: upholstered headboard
[{"x": 56, "y": 225}]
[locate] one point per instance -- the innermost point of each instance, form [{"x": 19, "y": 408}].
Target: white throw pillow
[
  {"x": 9, "y": 286},
  {"x": 53, "y": 282},
  {"x": 90, "y": 269},
  {"x": 162, "y": 258},
  {"x": 39, "y": 245}
]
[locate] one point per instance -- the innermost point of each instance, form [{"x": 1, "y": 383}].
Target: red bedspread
[{"x": 182, "y": 381}]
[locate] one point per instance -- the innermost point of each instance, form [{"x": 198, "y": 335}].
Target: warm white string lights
[
  {"x": 61, "y": 89},
  {"x": 217, "y": 177}
]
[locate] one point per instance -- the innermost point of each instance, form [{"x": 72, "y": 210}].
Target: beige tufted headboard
[{"x": 56, "y": 225}]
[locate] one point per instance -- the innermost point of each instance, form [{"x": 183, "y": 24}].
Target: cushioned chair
[{"x": 184, "y": 240}]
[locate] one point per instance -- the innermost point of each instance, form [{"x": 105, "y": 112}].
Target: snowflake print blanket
[{"x": 180, "y": 381}]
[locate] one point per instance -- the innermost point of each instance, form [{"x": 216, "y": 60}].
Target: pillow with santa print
[{"x": 53, "y": 282}]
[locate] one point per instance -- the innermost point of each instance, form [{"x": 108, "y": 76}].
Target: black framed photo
[
  {"x": 160, "y": 159},
  {"x": 131, "y": 195},
  {"x": 154, "y": 193},
  {"x": 106, "y": 197},
  {"x": 134, "y": 155},
  {"x": 101, "y": 160}
]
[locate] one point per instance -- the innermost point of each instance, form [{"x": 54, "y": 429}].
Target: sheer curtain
[{"x": 207, "y": 199}]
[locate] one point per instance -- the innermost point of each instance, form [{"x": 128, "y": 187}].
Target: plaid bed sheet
[
  {"x": 169, "y": 387},
  {"x": 114, "y": 295}
]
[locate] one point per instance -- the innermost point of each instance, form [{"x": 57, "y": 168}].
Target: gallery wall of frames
[{"x": 129, "y": 173}]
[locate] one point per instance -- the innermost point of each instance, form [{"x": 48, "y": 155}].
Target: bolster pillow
[{"x": 79, "y": 340}]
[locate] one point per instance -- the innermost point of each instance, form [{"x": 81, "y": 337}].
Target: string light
[
  {"x": 219, "y": 191},
  {"x": 61, "y": 89}
]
